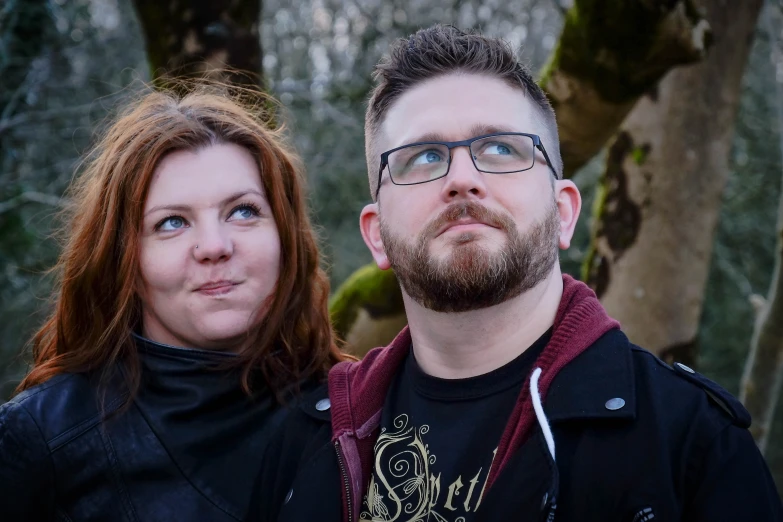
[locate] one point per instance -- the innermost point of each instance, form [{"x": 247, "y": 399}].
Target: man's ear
[
  {"x": 569, "y": 203},
  {"x": 370, "y": 225}
]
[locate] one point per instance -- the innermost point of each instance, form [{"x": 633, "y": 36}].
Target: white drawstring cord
[{"x": 540, "y": 415}]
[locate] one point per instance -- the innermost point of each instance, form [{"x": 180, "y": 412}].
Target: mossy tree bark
[
  {"x": 660, "y": 194},
  {"x": 609, "y": 54},
  {"x": 197, "y": 39}
]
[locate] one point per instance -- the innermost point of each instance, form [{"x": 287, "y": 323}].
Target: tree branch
[
  {"x": 32, "y": 197},
  {"x": 762, "y": 378}
]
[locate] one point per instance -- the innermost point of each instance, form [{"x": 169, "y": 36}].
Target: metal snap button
[
  {"x": 323, "y": 405},
  {"x": 683, "y": 367},
  {"x": 614, "y": 404},
  {"x": 288, "y": 497}
]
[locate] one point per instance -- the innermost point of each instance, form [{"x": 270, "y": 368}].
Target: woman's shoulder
[
  {"x": 26, "y": 466},
  {"x": 60, "y": 406}
]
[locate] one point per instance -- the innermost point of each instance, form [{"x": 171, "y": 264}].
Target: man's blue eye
[
  {"x": 427, "y": 157},
  {"x": 498, "y": 148}
]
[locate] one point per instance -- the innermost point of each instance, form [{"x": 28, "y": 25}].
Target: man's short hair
[{"x": 441, "y": 50}]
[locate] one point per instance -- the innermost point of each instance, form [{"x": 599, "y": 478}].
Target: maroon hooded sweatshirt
[{"x": 358, "y": 390}]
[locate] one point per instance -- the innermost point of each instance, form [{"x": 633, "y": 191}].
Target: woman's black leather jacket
[{"x": 188, "y": 447}]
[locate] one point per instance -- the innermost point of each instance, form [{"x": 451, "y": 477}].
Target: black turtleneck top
[{"x": 189, "y": 446}]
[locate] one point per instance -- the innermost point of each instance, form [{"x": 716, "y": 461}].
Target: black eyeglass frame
[{"x": 537, "y": 143}]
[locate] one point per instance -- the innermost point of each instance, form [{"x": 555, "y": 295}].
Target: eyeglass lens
[{"x": 501, "y": 154}]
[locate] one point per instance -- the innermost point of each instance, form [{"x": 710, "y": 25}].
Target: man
[{"x": 511, "y": 395}]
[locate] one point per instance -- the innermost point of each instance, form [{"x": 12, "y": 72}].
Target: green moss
[
  {"x": 591, "y": 266},
  {"x": 639, "y": 154},
  {"x": 369, "y": 288}
]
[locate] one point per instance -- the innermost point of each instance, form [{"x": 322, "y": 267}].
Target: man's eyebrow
[
  {"x": 476, "y": 130},
  {"x": 481, "y": 129},
  {"x": 225, "y": 201},
  {"x": 430, "y": 136}
]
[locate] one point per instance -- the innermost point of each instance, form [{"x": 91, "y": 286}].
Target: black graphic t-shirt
[{"x": 438, "y": 440}]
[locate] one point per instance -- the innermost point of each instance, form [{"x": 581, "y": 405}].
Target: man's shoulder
[
  {"x": 678, "y": 388},
  {"x": 670, "y": 393}
]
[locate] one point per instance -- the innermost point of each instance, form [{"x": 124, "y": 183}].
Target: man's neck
[{"x": 466, "y": 344}]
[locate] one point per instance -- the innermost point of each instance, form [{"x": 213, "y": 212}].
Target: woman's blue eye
[
  {"x": 171, "y": 223},
  {"x": 427, "y": 157},
  {"x": 245, "y": 212}
]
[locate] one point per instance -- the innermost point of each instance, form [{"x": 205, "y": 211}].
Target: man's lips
[{"x": 462, "y": 225}]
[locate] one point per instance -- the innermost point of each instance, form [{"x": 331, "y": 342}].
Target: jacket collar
[
  {"x": 585, "y": 387},
  {"x": 148, "y": 347}
]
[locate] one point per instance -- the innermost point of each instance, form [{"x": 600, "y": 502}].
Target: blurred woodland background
[{"x": 670, "y": 114}]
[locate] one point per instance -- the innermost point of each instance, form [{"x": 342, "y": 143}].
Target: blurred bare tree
[{"x": 63, "y": 67}]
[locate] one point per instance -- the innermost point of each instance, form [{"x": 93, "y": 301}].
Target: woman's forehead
[{"x": 206, "y": 174}]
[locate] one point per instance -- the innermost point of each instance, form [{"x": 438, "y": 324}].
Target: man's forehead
[{"x": 456, "y": 107}]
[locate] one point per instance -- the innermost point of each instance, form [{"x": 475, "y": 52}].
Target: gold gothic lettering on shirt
[{"x": 406, "y": 489}]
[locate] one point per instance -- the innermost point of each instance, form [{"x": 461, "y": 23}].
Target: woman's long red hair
[{"x": 96, "y": 303}]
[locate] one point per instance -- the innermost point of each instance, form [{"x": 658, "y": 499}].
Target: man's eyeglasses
[{"x": 499, "y": 153}]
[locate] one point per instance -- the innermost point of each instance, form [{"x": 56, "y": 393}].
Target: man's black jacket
[{"x": 677, "y": 450}]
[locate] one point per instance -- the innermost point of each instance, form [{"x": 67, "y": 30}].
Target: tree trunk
[
  {"x": 197, "y": 39},
  {"x": 660, "y": 194},
  {"x": 763, "y": 376},
  {"x": 609, "y": 54}
]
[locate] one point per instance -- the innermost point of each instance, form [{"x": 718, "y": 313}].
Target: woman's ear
[
  {"x": 370, "y": 225},
  {"x": 569, "y": 203}
]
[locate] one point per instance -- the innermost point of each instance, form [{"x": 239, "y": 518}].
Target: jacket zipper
[{"x": 346, "y": 481}]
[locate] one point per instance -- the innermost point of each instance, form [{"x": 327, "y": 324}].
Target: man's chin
[{"x": 464, "y": 244}]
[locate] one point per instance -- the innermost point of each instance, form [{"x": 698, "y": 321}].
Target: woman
[{"x": 190, "y": 309}]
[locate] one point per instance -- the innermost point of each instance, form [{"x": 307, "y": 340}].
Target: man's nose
[{"x": 463, "y": 180}]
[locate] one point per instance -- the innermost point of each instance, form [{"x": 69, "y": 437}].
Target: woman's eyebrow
[{"x": 184, "y": 208}]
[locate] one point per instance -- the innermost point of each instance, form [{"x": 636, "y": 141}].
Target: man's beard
[{"x": 471, "y": 277}]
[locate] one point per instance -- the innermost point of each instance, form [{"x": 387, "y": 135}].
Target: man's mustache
[{"x": 476, "y": 211}]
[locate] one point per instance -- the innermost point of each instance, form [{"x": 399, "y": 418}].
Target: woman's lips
[{"x": 217, "y": 288}]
